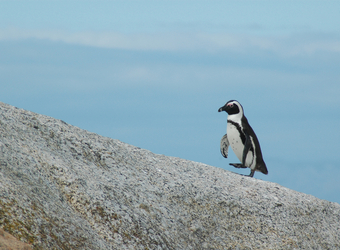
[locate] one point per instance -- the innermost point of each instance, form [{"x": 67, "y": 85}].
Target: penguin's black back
[{"x": 260, "y": 164}]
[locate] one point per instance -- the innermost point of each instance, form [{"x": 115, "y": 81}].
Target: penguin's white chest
[{"x": 235, "y": 142}]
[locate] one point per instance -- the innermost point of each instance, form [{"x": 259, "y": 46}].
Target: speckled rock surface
[{"x": 62, "y": 187}]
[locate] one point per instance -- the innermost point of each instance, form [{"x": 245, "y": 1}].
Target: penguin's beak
[{"x": 221, "y": 109}]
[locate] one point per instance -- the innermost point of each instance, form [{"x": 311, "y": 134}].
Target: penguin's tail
[{"x": 262, "y": 168}]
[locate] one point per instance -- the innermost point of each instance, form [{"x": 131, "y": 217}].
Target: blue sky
[{"x": 154, "y": 73}]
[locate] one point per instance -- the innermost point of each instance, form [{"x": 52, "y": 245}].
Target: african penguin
[{"x": 242, "y": 139}]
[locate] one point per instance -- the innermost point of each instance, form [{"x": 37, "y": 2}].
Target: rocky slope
[{"x": 62, "y": 187}]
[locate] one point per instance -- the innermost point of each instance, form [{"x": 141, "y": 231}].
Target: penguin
[{"x": 242, "y": 139}]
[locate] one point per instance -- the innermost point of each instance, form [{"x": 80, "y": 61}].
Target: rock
[{"x": 62, "y": 187}]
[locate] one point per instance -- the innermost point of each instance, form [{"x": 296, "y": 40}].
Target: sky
[{"x": 154, "y": 73}]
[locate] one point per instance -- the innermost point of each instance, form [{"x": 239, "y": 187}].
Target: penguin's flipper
[
  {"x": 237, "y": 165},
  {"x": 224, "y": 146},
  {"x": 246, "y": 148}
]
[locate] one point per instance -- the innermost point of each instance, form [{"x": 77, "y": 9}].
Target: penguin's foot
[
  {"x": 249, "y": 175},
  {"x": 238, "y": 165},
  {"x": 252, "y": 172}
]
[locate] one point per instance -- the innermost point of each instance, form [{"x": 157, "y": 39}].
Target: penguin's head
[{"x": 232, "y": 107}]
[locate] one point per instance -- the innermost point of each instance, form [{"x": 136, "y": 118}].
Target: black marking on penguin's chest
[{"x": 242, "y": 135}]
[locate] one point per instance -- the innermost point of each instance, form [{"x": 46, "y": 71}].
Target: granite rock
[{"x": 62, "y": 187}]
